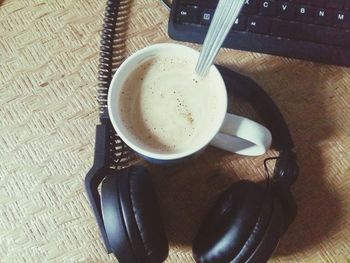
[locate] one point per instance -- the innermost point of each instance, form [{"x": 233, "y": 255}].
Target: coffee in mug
[{"x": 165, "y": 106}]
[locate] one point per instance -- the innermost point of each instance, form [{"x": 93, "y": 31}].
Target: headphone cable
[{"x": 267, "y": 173}]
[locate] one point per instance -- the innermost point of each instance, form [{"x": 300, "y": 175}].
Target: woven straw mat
[{"x": 49, "y": 54}]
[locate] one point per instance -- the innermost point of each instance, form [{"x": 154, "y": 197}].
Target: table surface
[{"x": 49, "y": 54}]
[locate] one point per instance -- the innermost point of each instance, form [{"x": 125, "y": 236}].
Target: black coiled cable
[
  {"x": 112, "y": 46},
  {"x": 106, "y": 54}
]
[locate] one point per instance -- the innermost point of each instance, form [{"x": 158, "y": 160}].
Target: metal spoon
[{"x": 225, "y": 15}]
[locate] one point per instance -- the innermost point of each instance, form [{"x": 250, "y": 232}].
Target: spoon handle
[{"x": 225, "y": 15}]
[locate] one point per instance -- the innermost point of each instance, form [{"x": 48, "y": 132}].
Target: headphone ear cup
[
  {"x": 269, "y": 236},
  {"x": 113, "y": 220},
  {"x": 139, "y": 236},
  {"x": 229, "y": 223}
]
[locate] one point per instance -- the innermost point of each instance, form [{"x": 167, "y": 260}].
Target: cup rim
[{"x": 112, "y": 96}]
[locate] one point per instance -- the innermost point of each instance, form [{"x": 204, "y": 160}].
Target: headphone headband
[
  {"x": 286, "y": 169},
  {"x": 243, "y": 87}
]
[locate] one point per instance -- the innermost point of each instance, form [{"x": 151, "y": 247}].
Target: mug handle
[{"x": 242, "y": 136}]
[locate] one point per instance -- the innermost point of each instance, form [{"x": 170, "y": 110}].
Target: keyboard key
[
  {"x": 342, "y": 20},
  {"x": 268, "y": 8},
  {"x": 311, "y": 33},
  {"x": 240, "y": 23},
  {"x": 250, "y": 7},
  {"x": 182, "y": 13},
  {"x": 337, "y": 4},
  {"x": 188, "y": 14},
  {"x": 303, "y": 2},
  {"x": 259, "y": 25},
  {"x": 286, "y": 11},
  {"x": 207, "y": 16},
  {"x": 305, "y": 14},
  {"x": 206, "y": 4},
  {"x": 347, "y": 4},
  {"x": 318, "y": 3},
  {"x": 323, "y": 17}
]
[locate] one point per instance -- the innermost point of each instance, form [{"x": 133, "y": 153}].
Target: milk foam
[{"x": 165, "y": 106}]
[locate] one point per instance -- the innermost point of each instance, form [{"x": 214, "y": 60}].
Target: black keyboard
[{"x": 316, "y": 30}]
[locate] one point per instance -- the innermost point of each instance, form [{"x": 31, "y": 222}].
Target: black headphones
[{"x": 244, "y": 225}]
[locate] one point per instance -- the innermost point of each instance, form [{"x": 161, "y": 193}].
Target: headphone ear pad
[
  {"x": 139, "y": 236},
  {"x": 230, "y": 223},
  {"x": 264, "y": 239}
]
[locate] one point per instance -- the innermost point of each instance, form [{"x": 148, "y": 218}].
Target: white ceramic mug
[{"x": 228, "y": 131}]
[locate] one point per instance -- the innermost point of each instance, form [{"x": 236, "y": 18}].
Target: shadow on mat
[
  {"x": 187, "y": 192},
  {"x": 311, "y": 122}
]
